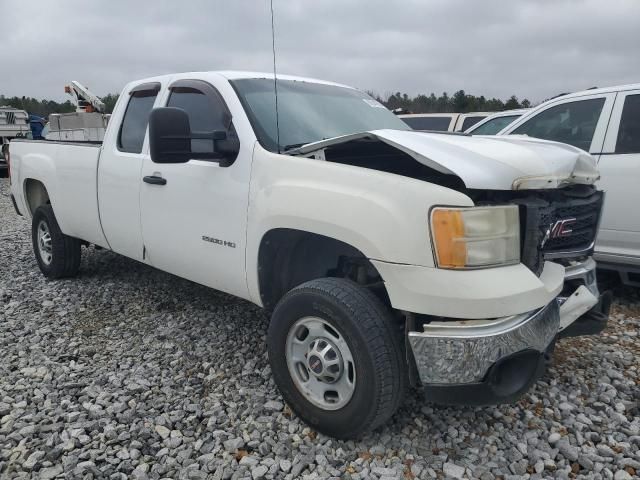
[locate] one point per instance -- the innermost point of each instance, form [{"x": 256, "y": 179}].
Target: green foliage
[
  {"x": 34, "y": 106},
  {"x": 44, "y": 108},
  {"x": 460, "y": 102},
  {"x": 110, "y": 101}
]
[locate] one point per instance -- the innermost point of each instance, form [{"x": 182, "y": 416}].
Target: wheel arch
[
  {"x": 289, "y": 257},
  {"x": 35, "y": 194}
]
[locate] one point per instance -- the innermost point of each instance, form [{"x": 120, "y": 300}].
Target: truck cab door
[
  {"x": 194, "y": 214},
  {"x": 619, "y": 165},
  {"x": 123, "y": 153}
]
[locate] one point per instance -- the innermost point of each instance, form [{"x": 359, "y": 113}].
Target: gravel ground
[{"x": 127, "y": 372}]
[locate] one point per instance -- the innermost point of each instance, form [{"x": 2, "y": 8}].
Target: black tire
[
  {"x": 65, "y": 251},
  {"x": 376, "y": 344}
]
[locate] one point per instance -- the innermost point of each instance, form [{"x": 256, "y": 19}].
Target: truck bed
[{"x": 69, "y": 170}]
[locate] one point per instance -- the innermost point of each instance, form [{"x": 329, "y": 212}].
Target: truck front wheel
[
  {"x": 57, "y": 254},
  {"x": 336, "y": 356}
]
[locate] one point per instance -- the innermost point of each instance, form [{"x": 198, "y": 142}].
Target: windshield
[
  {"x": 493, "y": 125},
  {"x": 309, "y": 112}
]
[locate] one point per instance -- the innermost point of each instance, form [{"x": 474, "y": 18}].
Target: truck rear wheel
[
  {"x": 57, "y": 254},
  {"x": 337, "y": 357}
]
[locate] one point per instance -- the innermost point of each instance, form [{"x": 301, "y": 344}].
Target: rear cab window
[{"x": 136, "y": 117}]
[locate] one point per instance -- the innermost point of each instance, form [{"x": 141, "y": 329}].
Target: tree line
[
  {"x": 460, "y": 102},
  {"x": 43, "y": 108}
]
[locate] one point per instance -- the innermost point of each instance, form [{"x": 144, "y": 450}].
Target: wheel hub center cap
[
  {"x": 324, "y": 360},
  {"x": 315, "y": 364}
]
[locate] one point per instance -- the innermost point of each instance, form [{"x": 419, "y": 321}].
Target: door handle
[{"x": 154, "y": 180}]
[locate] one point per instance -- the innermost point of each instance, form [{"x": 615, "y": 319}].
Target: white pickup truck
[{"x": 387, "y": 257}]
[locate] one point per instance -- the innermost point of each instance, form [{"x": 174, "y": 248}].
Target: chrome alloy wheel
[
  {"x": 320, "y": 363},
  {"x": 44, "y": 243}
]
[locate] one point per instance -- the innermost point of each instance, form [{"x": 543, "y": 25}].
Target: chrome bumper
[{"x": 459, "y": 352}]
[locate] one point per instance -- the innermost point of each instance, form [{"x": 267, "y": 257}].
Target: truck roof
[
  {"x": 592, "y": 91},
  {"x": 236, "y": 75}
]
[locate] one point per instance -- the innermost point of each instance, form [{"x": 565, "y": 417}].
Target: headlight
[{"x": 476, "y": 237}]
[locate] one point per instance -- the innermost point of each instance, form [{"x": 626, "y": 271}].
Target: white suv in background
[{"x": 606, "y": 123}]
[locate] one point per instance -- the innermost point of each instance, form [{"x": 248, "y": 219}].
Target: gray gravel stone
[
  {"x": 285, "y": 465},
  {"x": 453, "y": 470},
  {"x": 163, "y": 431},
  {"x": 233, "y": 444},
  {"x": 554, "y": 437},
  {"x": 32, "y": 460},
  {"x": 274, "y": 406},
  {"x": 249, "y": 461},
  {"x": 50, "y": 472},
  {"x": 568, "y": 451},
  {"x": 259, "y": 472},
  {"x": 622, "y": 475},
  {"x": 605, "y": 450}
]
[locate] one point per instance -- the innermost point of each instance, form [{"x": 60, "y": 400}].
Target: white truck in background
[
  {"x": 606, "y": 123},
  {"x": 14, "y": 123},
  {"x": 386, "y": 256},
  {"x": 443, "y": 122}
]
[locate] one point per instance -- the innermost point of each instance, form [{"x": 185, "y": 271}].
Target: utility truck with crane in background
[{"x": 87, "y": 124}]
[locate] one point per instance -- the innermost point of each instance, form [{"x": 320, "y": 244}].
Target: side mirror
[
  {"x": 169, "y": 135},
  {"x": 170, "y": 139}
]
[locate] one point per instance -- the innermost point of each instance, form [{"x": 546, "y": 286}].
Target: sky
[{"x": 533, "y": 49}]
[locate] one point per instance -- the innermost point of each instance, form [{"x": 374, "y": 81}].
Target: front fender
[{"x": 385, "y": 216}]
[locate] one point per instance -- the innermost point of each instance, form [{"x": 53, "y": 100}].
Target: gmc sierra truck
[{"x": 386, "y": 257}]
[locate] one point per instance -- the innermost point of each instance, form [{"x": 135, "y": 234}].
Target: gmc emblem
[{"x": 558, "y": 229}]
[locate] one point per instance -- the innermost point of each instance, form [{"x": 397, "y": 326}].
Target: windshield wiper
[{"x": 294, "y": 146}]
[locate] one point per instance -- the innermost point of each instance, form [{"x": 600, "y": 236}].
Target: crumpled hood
[{"x": 487, "y": 162}]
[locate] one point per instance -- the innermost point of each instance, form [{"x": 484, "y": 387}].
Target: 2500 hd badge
[{"x": 217, "y": 241}]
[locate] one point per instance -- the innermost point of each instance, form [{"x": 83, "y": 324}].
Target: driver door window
[
  {"x": 206, "y": 113},
  {"x": 572, "y": 122}
]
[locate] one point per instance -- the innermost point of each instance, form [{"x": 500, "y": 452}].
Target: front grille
[{"x": 563, "y": 226}]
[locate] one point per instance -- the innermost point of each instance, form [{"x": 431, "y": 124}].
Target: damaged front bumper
[
  {"x": 484, "y": 361},
  {"x": 495, "y": 361},
  {"x": 583, "y": 309}
]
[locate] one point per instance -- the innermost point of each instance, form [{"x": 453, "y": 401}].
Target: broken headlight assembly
[{"x": 475, "y": 237}]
